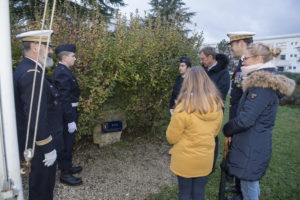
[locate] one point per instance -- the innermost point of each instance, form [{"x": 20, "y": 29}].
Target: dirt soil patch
[{"x": 122, "y": 171}]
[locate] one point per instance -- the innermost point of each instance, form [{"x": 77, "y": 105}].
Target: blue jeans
[
  {"x": 250, "y": 190},
  {"x": 192, "y": 188}
]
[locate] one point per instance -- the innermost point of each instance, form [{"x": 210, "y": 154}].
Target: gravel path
[{"x": 119, "y": 172}]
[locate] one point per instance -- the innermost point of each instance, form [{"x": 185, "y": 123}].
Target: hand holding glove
[
  {"x": 72, "y": 127},
  {"x": 50, "y": 158},
  {"x": 171, "y": 111}
]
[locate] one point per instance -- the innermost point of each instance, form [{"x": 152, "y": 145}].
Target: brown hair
[
  {"x": 259, "y": 49},
  {"x": 209, "y": 51},
  {"x": 198, "y": 93},
  {"x": 62, "y": 54}
]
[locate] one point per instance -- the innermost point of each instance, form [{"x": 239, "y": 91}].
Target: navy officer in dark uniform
[
  {"x": 69, "y": 92},
  {"x": 239, "y": 42},
  {"x": 43, "y": 163}
]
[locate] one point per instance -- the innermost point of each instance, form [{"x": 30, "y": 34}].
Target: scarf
[{"x": 248, "y": 69}]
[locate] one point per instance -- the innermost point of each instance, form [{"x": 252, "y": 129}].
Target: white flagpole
[{"x": 8, "y": 104}]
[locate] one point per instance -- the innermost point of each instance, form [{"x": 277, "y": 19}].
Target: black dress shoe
[
  {"x": 70, "y": 180},
  {"x": 75, "y": 170}
]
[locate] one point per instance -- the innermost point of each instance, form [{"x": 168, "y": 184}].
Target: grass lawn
[{"x": 282, "y": 180}]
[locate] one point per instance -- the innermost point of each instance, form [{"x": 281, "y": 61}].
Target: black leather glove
[{"x": 227, "y": 129}]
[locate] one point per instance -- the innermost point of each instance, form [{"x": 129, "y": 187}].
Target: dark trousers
[
  {"x": 216, "y": 152},
  {"x": 65, "y": 156},
  {"x": 192, "y": 188},
  {"x": 41, "y": 179},
  {"x": 232, "y": 114}
]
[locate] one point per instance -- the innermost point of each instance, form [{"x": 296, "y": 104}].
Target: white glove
[
  {"x": 72, "y": 127},
  {"x": 171, "y": 111},
  {"x": 50, "y": 158}
]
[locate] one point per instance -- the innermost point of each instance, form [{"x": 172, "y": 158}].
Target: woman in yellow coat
[{"x": 195, "y": 123}]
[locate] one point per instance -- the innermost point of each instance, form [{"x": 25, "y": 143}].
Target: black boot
[
  {"x": 69, "y": 179},
  {"x": 75, "y": 170}
]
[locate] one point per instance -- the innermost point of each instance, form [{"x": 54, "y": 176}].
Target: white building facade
[{"x": 289, "y": 58}]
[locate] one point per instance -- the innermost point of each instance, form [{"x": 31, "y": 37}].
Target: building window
[
  {"x": 290, "y": 67},
  {"x": 295, "y": 55},
  {"x": 296, "y": 43},
  {"x": 282, "y": 57},
  {"x": 292, "y": 43},
  {"x": 294, "y": 68},
  {"x": 280, "y": 69},
  {"x": 278, "y": 44},
  {"x": 291, "y": 55}
]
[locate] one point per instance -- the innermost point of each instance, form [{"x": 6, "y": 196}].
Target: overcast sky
[{"x": 217, "y": 17}]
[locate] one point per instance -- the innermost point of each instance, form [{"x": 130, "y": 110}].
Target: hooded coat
[
  {"x": 193, "y": 139},
  {"x": 251, "y": 129},
  {"x": 219, "y": 74}
]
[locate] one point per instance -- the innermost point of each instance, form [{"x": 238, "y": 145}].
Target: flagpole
[{"x": 12, "y": 182}]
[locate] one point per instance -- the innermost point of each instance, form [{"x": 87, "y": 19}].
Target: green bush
[
  {"x": 131, "y": 67},
  {"x": 294, "y": 99},
  {"x": 294, "y": 76}
]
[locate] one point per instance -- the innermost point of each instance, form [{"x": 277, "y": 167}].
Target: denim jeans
[
  {"x": 250, "y": 190},
  {"x": 192, "y": 188}
]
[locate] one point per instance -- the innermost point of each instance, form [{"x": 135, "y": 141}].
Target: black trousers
[
  {"x": 216, "y": 152},
  {"x": 66, "y": 155},
  {"x": 232, "y": 114},
  {"x": 41, "y": 179},
  {"x": 192, "y": 188}
]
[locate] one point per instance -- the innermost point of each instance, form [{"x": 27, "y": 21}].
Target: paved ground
[{"x": 119, "y": 172}]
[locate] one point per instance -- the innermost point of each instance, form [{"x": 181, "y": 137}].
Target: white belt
[{"x": 74, "y": 104}]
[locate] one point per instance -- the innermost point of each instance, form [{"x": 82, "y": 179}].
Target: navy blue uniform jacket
[
  {"x": 68, "y": 88},
  {"x": 176, "y": 90},
  {"x": 55, "y": 115},
  {"x": 236, "y": 91},
  {"x": 23, "y": 84}
]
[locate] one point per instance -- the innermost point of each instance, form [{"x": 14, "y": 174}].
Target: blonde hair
[
  {"x": 259, "y": 49},
  {"x": 198, "y": 93}
]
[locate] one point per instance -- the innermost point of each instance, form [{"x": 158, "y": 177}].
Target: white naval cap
[
  {"x": 240, "y": 35},
  {"x": 36, "y": 36}
]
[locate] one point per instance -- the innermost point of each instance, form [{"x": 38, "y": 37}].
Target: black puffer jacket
[
  {"x": 251, "y": 129},
  {"x": 220, "y": 76}
]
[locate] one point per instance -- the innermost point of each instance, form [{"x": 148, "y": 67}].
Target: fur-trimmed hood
[{"x": 268, "y": 79}]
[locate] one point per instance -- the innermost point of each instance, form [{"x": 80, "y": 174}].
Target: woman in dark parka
[{"x": 251, "y": 129}]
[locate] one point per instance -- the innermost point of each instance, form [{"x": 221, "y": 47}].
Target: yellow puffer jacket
[{"x": 192, "y": 136}]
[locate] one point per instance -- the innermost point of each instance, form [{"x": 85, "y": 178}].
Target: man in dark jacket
[
  {"x": 215, "y": 66},
  {"x": 185, "y": 63},
  {"x": 43, "y": 165},
  {"x": 239, "y": 42},
  {"x": 69, "y": 92}
]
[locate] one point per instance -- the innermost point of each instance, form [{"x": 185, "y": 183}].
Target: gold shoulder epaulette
[
  {"x": 33, "y": 70},
  {"x": 44, "y": 142}
]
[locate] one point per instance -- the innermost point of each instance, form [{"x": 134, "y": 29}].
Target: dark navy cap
[
  {"x": 186, "y": 60},
  {"x": 65, "y": 47}
]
